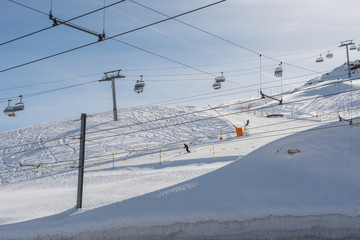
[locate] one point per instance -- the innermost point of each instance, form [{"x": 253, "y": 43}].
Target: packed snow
[{"x": 295, "y": 175}]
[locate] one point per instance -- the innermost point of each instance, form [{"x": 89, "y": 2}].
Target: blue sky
[{"x": 294, "y": 32}]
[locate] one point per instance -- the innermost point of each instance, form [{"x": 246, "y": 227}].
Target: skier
[
  {"x": 247, "y": 123},
  {"x": 187, "y": 148}
]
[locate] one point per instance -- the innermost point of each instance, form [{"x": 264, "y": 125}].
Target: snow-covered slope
[
  {"x": 140, "y": 183},
  {"x": 58, "y": 142}
]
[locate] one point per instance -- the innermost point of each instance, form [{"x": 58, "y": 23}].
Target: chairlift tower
[
  {"x": 111, "y": 76},
  {"x": 346, "y": 44}
]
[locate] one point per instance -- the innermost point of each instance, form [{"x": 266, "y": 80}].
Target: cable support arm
[
  {"x": 109, "y": 76},
  {"x": 271, "y": 97},
  {"x": 57, "y": 21}
]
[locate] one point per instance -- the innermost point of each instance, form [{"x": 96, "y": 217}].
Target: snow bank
[
  {"x": 333, "y": 226},
  {"x": 314, "y": 191}
]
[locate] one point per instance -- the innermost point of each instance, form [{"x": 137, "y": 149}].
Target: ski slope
[{"x": 292, "y": 176}]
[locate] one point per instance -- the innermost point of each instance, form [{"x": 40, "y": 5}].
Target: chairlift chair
[
  {"x": 139, "y": 85},
  {"x": 319, "y": 59},
  {"x": 278, "y": 71},
  {"x": 19, "y": 106},
  {"x": 217, "y": 85},
  {"x": 9, "y": 110},
  {"x": 353, "y": 47},
  {"x": 329, "y": 54},
  {"x": 220, "y": 79}
]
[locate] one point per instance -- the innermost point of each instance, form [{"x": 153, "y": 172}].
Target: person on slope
[{"x": 187, "y": 148}]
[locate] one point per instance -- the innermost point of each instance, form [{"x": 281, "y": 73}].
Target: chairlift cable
[
  {"x": 53, "y": 90},
  {"x": 221, "y": 38},
  {"x": 45, "y": 141},
  {"x": 161, "y": 102},
  {"x": 41, "y": 30},
  {"x": 56, "y": 89},
  {"x": 164, "y": 57},
  {"x": 23, "y": 5},
  {"x": 104, "y": 20},
  {"x": 49, "y": 82},
  {"x": 112, "y": 37}
]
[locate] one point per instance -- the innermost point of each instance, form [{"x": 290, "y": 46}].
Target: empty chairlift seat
[{"x": 19, "y": 106}]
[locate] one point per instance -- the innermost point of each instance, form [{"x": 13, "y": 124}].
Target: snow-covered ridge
[{"x": 340, "y": 72}]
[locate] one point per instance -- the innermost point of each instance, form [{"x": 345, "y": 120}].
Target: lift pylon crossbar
[
  {"x": 57, "y": 21},
  {"x": 271, "y": 97},
  {"x": 346, "y": 43},
  {"x": 112, "y": 75}
]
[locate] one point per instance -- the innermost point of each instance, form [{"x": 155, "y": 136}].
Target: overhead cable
[
  {"x": 49, "y": 82},
  {"x": 107, "y": 38},
  {"x": 52, "y": 90},
  {"x": 167, "y": 58},
  {"x": 59, "y": 23},
  {"x": 223, "y": 39}
]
